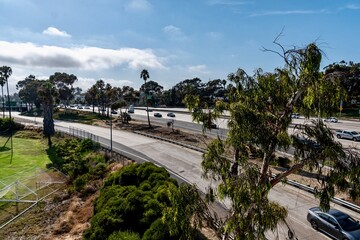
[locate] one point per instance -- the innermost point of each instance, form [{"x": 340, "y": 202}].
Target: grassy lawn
[
  {"x": 28, "y": 153},
  {"x": 78, "y": 116}
]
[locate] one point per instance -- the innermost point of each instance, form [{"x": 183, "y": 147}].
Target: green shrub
[
  {"x": 124, "y": 236},
  {"x": 136, "y": 194},
  {"x": 80, "y": 182},
  {"x": 8, "y": 123},
  {"x": 157, "y": 231}
]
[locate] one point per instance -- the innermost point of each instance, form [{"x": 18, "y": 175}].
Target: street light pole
[{"x": 110, "y": 133}]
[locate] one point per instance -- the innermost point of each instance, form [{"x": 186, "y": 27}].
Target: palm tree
[
  {"x": 47, "y": 94},
  {"x": 5, "y": 73},
  {"x": 145, "y": 75}
]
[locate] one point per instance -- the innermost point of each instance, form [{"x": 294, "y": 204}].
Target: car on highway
[
  {"x": 170, "y": 114},
  {"x": 87, "y": 107},
  {"x": 334, "y": 223},
  {"x": 295, "y": 115},
  {"x": 304, "y": 143},
  {"x": 331, "y": 119},
  {"x": 348, "y": 134},
  {"x": 79, "y": 107},
  {"x": 157, "y": 115},
  {"x": 114, "y": 112}
]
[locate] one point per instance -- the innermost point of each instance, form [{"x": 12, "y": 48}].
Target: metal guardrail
[{"x": 339, "y": 201}]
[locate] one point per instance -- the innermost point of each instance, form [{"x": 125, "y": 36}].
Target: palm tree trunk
[{"x": 8, "y": 96}]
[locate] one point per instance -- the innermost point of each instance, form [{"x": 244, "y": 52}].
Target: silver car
[
  {"x": 334, "y": 223},
  {"x": 331, "y": 119}
]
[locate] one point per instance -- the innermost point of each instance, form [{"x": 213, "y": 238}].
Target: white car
[
  {"x": 331, "y": 119},
  {"x": 295, "y": 115}
]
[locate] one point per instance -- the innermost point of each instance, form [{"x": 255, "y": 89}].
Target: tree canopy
[{"x": 260, "y": 108}]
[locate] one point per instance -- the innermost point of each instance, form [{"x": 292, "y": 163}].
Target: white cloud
[
  {"x": 214, "y": 35},
  {"x": 229, "y": 2},
  {"x": 139, "y": 5},
  {"x": 290, "y": 12},
  {"x": 82, "y": 58},
  {"x": 52, "y": 31},
  {"x": 198, "y": 69},
  {"x": 86, "y": 83},
  {"x": 174, "y": 33},
  {"x": 352, "y": 6}
]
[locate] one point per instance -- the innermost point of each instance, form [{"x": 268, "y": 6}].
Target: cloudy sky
[{"x": 175, "y": 40}]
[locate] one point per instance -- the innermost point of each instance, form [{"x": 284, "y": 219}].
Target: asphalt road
[
  {"x": 186, "y": 164},
  {"x": 184, "y": 121}
]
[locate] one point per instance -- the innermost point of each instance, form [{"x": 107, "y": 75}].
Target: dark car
[
  {"x": 213, "y": 125},
  {"x": 334, "y": 223},
  {"x": 114, "y": 112},
  {"x": 157, "y": 115},
  {"x": 170, "y": 114},
  {"x": 304, "y": 143}
]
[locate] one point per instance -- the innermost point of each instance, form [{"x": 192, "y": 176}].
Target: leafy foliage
[
  {"x": 76, "y": 158},
  {"x": 6, "y": 124},
  {"x": 133, "y": 199},
  {"x": 260, "y": 108}
]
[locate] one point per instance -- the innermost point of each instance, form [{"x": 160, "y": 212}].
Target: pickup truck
[{"x": 348, "y": 134}]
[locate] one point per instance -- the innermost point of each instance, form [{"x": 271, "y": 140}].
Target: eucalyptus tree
[
  {"x": 349, "y": 76},
  {"x": 130, "y": 95},
  {"x": 100, "y": 85},
  {"x": 260, "y": 108},
  {"x": 64, "y": 83},
  {"x": 5, "y": 73},
  {"x": 48, "y": 94},
  {"x": 91, "y": 96},
  {"x": 154, "y": 90},
  {"x": 28, "y": 91},
  {"x": 187, "y": 87},
  {"x": 145, "y": 75}
]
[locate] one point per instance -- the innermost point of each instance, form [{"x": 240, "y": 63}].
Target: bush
[
  {"x": 6, "y": 124},
  {"x": 124, "y": 236},
  {"x": 157, "y": 231},
  {"x": 136, "y": 194},
  {"x": 80, "y": 182}
]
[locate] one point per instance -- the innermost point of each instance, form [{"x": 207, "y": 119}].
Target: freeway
[
  {"x": 187, "y": 164},
  {"x": 183, "y": 120}
]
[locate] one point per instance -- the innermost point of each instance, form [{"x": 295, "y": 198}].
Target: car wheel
[
  {"x": 338, "y": 136},
  {"x": 314, "y": 225},
  {"x": 354, "y": 139}
]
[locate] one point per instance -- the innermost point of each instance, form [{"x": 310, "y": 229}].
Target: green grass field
[{"x": 27, "y": 154}]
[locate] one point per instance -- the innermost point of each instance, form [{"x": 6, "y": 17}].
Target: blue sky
[{"x": 175, "y": 40}]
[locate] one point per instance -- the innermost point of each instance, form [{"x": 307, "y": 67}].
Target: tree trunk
[
  {"x": 8, "y": 96},
  {"x": 49, "y": 129},
  {"x": 49, "y": 141},
  {"x": 3, "y": 100}
]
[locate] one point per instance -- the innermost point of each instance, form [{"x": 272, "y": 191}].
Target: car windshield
[
  {"x": 348, "y": 224},
  {"x": 354, "y": 133}
]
